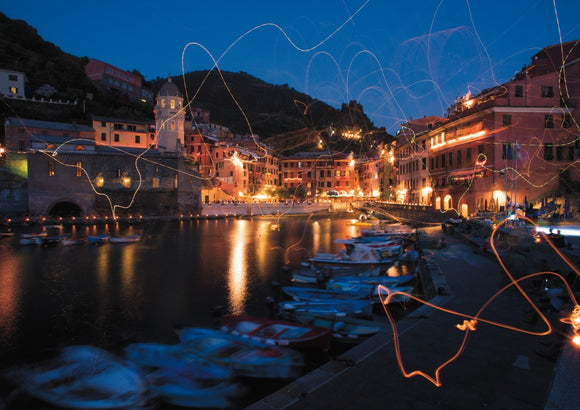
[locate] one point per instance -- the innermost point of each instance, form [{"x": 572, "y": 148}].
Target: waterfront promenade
[{"x": 498, "y": 368}]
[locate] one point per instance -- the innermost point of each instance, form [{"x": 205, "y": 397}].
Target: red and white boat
[{"x": 277, "y": 332}]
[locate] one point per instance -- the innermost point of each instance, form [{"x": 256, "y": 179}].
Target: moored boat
[
  {"x": 277, "y": 332},
  {"x": 329, "y": 308},
  {"x": 315, "y": 294},
  {"x": 98, "y": 239},
  {"x": 345, "y": 328},
  {"x": 72, "y": 242},
  {"x": 82, "y": 377},
  {"x": 245, "y": 357},
  {"x": 125, "y": 239}
]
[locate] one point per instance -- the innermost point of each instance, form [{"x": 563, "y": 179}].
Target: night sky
[{"x": 400, "y": 60}]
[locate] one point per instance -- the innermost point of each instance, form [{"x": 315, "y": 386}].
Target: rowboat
[
  {"x": 98, "y": 239},
  {"x": 315, "y": 294},
  {"x": 31, "y": 238},
  {"x": 182, "y": 378},
  {"x": 125, "y": 239},
  {"x": 368, "y": 282},
  {"x": 329, "y": 308},
  {"x": 82, "y": 377},
  {"x": 277, "y": 332},
  {"x": 245, "y": 357},
  {"x": 346, "y": 328}
]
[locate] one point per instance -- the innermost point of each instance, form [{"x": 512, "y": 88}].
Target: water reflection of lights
[
  {"x": 315, "y": 236},
  {"x": 564, "y": 230},
  {"x": 10, "y": 289},
  {"x": 237, "y": 272}
]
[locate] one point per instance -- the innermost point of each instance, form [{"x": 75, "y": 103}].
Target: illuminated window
[
  {"x": 100, "y": 180},
  {"x": 126, "y": 182},
  {"x": 13, "y": 90},
  {"x": 79, "y": 169},
  {"x": 163, "y": 103},
  {"x": 155, "y": 182},
  {"x": 172, "y": 103},
  {"x": 172, "y": 125},
  {"x": 175, "y": 182},
  {"x": 50, "y": 168},
  {"x": 50, "y": 146}
]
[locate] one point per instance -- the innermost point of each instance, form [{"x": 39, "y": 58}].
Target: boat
[
  {"x": 82, "y": 377},
  {"x": 182, "y": 378},
  {"x": 72, "y": 242},
  {"x": 245, "y": 357},
  {"x": 345, "y": 328},
  {"x": 316, "y": 294},
  {"x": 388, "y": 281},
  {"x": 328, "y": 308},
  {"x": 125, "y": 239},
  {"x": 361, "y": 257},
  {"x": 277, "y": 332},
  {"x": 98, "y": 239},
  {"x": 49, "y": 240},
  {"x": 409, "y": 256},
  {"x": 31, "y": 238}
]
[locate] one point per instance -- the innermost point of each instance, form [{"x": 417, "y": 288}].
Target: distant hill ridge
[{"x": 271, "y": 110}]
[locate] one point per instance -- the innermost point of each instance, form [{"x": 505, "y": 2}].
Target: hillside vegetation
[{"x": 282, "y": 116}]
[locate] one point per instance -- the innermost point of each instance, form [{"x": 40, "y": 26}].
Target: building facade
[
  {"x": 12, "y": 84},
  {"x": 115, "y": 132},
  {"x": 108, "y": 77}
]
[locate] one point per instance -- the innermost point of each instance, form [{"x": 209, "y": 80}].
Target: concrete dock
[{"x": 497, "y": 368}]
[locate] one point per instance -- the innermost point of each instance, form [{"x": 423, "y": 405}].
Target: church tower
[{"x": 169, "y": 118}]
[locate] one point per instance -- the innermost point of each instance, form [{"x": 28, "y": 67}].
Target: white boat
[
  {"x": 182, "y": 378},
  {"x": 98, "y": 239},
  {"x": 345, "y": 329},
  {"x": 339, "y": 282},
  {"x": 328, "y": 308},
  {"x": 125, "y": 239},
  {"x": 245, "y": 357},
  {"x": 82, "y": 377},
  {"x": 361, "y": 257}
]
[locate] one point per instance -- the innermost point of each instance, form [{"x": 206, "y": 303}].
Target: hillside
[{"x": 275, "y": 112}]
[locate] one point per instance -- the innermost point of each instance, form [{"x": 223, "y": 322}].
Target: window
[
  {"x": 451, "y": 159},
  {"x": 51, "y": 168},
  {"x": 570, "y": 153},
  {"x": 126, "y": 181},
  {"x": 567, "y": 121},
  {"x": 116, "y": 137},
  {"x": 173, "y": 125},
  {"x": 468, "y": 155},
  {"x": 103, "y": 123},
  {"x": 423, "y": 163},
  {"x": 507, "y": 120},
  {"x": 100, "y": 181},
  {"x": 309, "y": 174},
  {"x": 329, "y": 173},
  {"x": 118, "y": 172},
  {"x": 458, "y": 158},
  {"x": 137, "y": 139},
  {"x": 79, "y": 169},
  {"x": 118, "y": 126},
  {"x": 103, "y": 136},
  {"x": 480, "y": 149},
  {"x": 548, "y": 151},
  {"x": 131, "y": 128},
  {"x": 519, "y": 91},
  {"x": 163, "y": 103},
  {"x": 506, "y": 152},
  {"x": 12, "y": 77},
  {"x": 13, "y": 90},
  {"x": 329, "y": 184},
  {"x": 338, "y": 173},
  {"x": 172, "y": 104},
  {"x": 437, "y": 162},
  {"x": 559, "y": 153},
  {"x": 549, "y": 121},
  {"x": 443, "y": 164},
  {"x": 547, "y": 91}
]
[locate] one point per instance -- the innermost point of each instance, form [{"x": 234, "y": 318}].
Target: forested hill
[{"x": 270, "y": 110}]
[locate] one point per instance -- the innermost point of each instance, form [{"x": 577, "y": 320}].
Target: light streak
[{"x": 470, "y": 322}]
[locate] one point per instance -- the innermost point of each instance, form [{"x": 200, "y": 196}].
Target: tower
[{"x": 169, "y": 118}]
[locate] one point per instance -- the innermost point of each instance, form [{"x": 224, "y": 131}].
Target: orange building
[{"x": 116, "y": 132}]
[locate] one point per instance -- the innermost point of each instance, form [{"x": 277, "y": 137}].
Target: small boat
[
  {"x": 82, "y": 377},
  {"x": 49, "y": 240},
  {"x": 409, "y": 256},
  {"x": 182, "y": 378},
  {"x": 72, "y": 242},
  {"x": 315, "y": 294},
  {"x": 31, "y": 238},
  {"x": 125, "y": 239},
  {"x": 277, "y": 332},
  {"x": 329, "y": 308},
  {"x": 98, "y": 239},
  {"x": 346, "y": 328},
  {"x": 388, "y": 281},
  {"x": 245, "y": 357}
]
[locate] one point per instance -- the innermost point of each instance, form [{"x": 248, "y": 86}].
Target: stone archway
[{"x": 65, "y": 209}]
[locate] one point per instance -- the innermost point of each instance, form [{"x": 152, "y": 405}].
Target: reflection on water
[
  {"x": 178, "y": 274},
  {"x": 237, "y": 271}
]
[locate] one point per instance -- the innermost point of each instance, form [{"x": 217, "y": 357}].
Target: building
[
  {"x": 412, "y": 146},
  {"x": 512, "y": 144},
  {"x": 319, "y": 173},
  {"x": 369, "y": 178},
  {"x": 12, "y": 84},
  {"x": 116, "y": 132},
  {"x": 111, "y": 78},
  {"x": 170, "y": 119}
]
